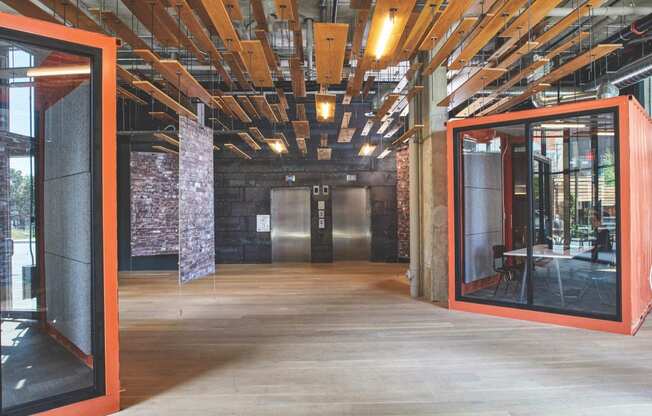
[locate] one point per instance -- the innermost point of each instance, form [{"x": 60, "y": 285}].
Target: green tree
[{"x": 20, "y": 186}]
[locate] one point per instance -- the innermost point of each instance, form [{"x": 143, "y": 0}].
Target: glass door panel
[
  {"x": 574, "y": 214},
  {"x": 494, "y": 199},
  {"x": 50, "y": 349}
]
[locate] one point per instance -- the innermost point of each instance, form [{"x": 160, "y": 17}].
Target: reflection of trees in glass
[
  {"x": 608, "y": 168},
  {"x": 20, "y": 186}
]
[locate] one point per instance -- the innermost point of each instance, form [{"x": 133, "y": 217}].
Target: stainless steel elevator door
[
  {"x": 351, "y": 224},
  {"x": 290, "y": 225}
]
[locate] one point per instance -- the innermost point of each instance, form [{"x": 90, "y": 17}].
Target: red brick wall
[{"x": 403, "y": 202}]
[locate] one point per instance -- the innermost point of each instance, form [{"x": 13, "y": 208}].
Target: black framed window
[
  {"x": 537, "y": 214},
  {"x": 51, "y": 291}
]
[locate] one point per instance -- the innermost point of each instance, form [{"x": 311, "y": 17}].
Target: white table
[{"x": 543, "y": 252}]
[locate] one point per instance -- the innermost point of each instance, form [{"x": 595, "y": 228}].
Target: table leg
[{"x": 561, "y": 286}]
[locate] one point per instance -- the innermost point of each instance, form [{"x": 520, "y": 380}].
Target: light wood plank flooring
[{"x": 346, "y": 339}]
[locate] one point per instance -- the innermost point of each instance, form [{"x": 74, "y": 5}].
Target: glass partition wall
[
  {"x": 50, "y": 283},
  {"x": 540, "y": 214}
]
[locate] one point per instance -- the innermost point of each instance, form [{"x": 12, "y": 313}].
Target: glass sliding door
[
  {"x": 537, "y": 214},
  {"x": 574, "y": 256},
  {"x": 50, "y": 287},
  {"x": 494, "y": 199}
]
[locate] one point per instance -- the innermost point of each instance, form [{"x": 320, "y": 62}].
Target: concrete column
[{"x": 428, "y": 189}]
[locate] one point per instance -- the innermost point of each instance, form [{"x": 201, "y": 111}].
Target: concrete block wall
[{"x": 242, "y": 190}]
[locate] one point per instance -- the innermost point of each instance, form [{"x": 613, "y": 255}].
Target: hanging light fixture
[{"x": 325, "y": 107}]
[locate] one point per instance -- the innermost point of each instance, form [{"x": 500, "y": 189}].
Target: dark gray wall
[
  {"x": 67, "y": 217},
  {"x": 242, "y": 191}
]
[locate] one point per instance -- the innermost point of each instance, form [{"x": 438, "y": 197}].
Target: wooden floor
[{"x": 346, "y": 339}]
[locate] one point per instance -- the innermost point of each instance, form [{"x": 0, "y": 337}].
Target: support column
[{"x": 428, "y": 190}]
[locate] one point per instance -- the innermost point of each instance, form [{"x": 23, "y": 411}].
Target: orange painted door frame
[{"x": 107, "y": 47}]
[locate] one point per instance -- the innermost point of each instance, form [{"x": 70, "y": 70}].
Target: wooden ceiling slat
[
  {"x": 280, "y": 113},
  {"x": 249, "y": 141},
  {"x": 377, "y": 41},
  {"x": 412, "y": 19},
  {"x": 222, "y": 24},
  {"x": 477, "y": 82},
  {"x": 255, "y": 132},
  {"x": 233, "y": 105},
  {"x": 301, "y": 112},
  {"x": 263, "y": 107},
  {"x": 188, "y": 84},
  {"x": 355, "y": 83},
  {"x": 386, "y": 105},
  {"x": 205, "y": 42},
  {"x": 125, "y": 75},
  {"x": 298, "y": 78},
  {"x": 407, "y": 135},
  {"x": 163, "y": 98},
  {"x": 360, "y": 4},
  {"x": 121, "y": 30},
  {"x": 285, "y": 10},
  {"x": 248, "y": 106},
  {"x": 346, "y": 119},
  {"x": 29, "y": 9},
  {"x": 413, "y": 92},
  {"x": 149, "y": 16},
  {"x": 568, "y": 21},
  {"x": 566, "y": 69},
  {"x": 450, "y": 44},
  {"x": 301, "y": 144},
  {"x": 236, "y": 151},
  {"x": 280, "y": 93},
  {"x": 368, "y": 85},
  {"x": 174, "y": 28},
  {"x": 324, "y": 153},
  {"x": 130, "y": 96},
  {"x": 515, "y": 56},
  {"x": 330, "y": 47},
  {"x": 494, "y": 106},
  {"x": 301, "y": 128},
  {"x": 451, "y": 14},
  {"x": 346, "y": 135},
  {"x": 259, "y": 14},
  {"x": 530, "y": 17},
  {"x": 272, "y": 60},
  {"x": 238, "y": 70},
  {"x": 429, "y": 14},
  {"x": 163, "y": 116},
  {"x": 514, "y": 79},
  {"x": 256, "y": 62},
  {"x": 234, "y": 10},
  {"x": 74, "y": 14},
  {"x": 489, "y": 27},
  {"x": 298, "y": 44},
  {"x": 361, "y": 20}
]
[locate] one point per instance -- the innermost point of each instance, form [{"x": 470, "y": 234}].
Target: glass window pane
[
  {"x": 495, "y": 222},
  {"x": 46, "y": 285},
  {"x": 574, "y": 253}
]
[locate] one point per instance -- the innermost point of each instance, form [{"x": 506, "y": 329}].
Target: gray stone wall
[
  {"x": 196, "y": 201},
  {"x": 154, "y": 184},
  {"x": 67, "y": 217}
]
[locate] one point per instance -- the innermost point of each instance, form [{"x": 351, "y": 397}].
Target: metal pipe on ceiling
[{"x": 605, "y": 11}]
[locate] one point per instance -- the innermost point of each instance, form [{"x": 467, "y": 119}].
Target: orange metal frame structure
[
  {"x": 110, "y": 402},
  {"x": 635, "y": 182}
]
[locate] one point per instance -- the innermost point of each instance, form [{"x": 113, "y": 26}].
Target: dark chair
[{"x": 500, "y": 266}]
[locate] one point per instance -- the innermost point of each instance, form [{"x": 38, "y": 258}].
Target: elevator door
[
  {"x": 290, "y": 225},
  {"x": 351, "y": 224}
]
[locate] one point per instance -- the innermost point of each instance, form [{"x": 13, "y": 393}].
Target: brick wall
[
  {"x": 154, "y": 183},
  {"x": 196, "y": 201},
  {"x": 403, "y": 202}
]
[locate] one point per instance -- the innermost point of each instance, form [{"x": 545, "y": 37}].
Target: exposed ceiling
[{"x": 261, "y": 63}]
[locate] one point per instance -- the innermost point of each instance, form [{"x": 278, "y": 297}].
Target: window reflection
[{"x": 571, "y": 264}]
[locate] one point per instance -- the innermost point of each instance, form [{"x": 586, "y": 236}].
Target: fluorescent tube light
[{"x": 58, "y": 71}]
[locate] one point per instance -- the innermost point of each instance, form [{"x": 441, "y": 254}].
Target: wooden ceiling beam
[
  {"x": 245, "y": 137},
  {"x": 236, "y": 151},
  {"x": 222, "y": 24},
  {"x": 148, "y": 13},
  {"x": 301, "y": 128},
  {"x": 427, "y": 17},
  {"x": 488, "y": 28},
  {"x": 298, "y": 78},
  {"x": 256, "y": 63},
  {"x": 572, "y": 18},
  {"x": 234, "y": 10},
  {"x": 263, "y": 107},
  {"x": 449, "y": 45},
  {"x": 163, "y": 98},
  {"x": 381, "y": 44},
  {"x": 235, "y": 108},
  {"x": 74, "y": 15},
  {"x": 259, "y": 14},
  {"x": 29, "y": 9},
  {"x": 386, "y": 105},
  {"x": 271, "y": 57},
  {"x": 130, "y": 96},
  {"x": 120, "y": 29},
  {"x": 248, "y": 106},
  {"x": 330, "y": 47},
  {"x": 238, "y": 70},
  {"x": 451, "y": 14},
  {"x": 255, "y": 132},
  {"x": 361, "y": 20},
  {"x": 476, "y": 83}
]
